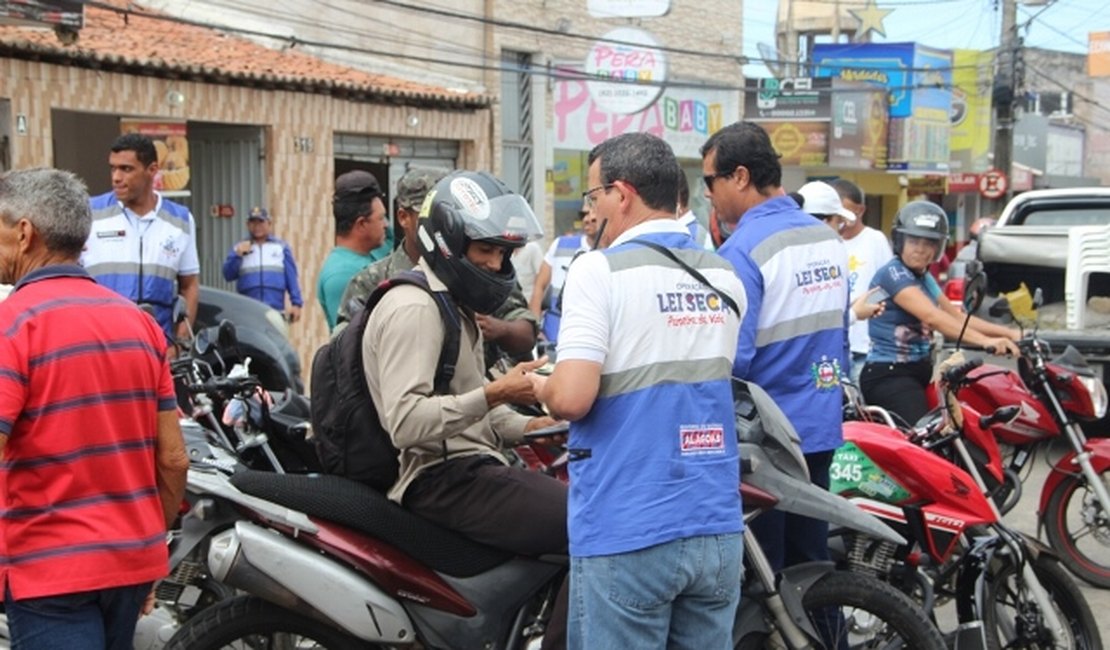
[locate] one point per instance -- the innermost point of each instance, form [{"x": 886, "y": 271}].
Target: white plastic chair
[{"x": 1088, "y": 252}]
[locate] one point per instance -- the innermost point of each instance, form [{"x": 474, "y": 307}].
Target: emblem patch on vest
[
  {"x": 702, "y": 438},
  {"x": 826, "y": 373}
]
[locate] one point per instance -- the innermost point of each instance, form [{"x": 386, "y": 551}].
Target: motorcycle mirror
[
  {"x": 226, "y": 336},
  {"x": 1004, "y": 414},
  {"x": 976, "y": 288},
  {"x": 202, "y": 342}
]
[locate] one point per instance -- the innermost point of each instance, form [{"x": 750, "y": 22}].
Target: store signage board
[{"x": 633, "y": 69}]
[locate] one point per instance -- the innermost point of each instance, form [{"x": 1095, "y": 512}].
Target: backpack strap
[{"x": 452, "y": 325}]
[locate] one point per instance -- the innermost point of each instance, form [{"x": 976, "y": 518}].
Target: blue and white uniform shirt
[
  {"x": 656, "y": 457},
  {"x": 266, "y": 273},
  {"x": 141, "y": 256}
]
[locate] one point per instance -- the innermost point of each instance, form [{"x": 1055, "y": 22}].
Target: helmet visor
[{"x": 506, "y": 219}]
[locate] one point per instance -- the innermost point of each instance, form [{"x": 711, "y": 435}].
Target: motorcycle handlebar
[
  {"x": 957, "y": 374},
  {"x": 224, "y": 385}
]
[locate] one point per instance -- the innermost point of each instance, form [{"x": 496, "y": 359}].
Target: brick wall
[{"x": 298, "y": 185}]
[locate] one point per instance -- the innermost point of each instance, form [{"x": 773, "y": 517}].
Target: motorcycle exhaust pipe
[{"x": 270, "y": 566}]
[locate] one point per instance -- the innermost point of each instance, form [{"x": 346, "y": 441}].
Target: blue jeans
[
  {"x": 94, "y": 620},
  {"x": 681, "y": 594}
]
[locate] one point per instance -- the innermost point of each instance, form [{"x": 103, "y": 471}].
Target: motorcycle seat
[{"x": 361, "y": 508}]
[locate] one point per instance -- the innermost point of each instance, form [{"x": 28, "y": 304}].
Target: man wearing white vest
[
  {"x": 142, "y": 245},
  {"x": 646, "y": 346}
]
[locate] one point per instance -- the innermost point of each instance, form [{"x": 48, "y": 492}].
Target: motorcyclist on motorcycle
[
  {"x": 899, "y": 365},
  {"x": 452, "y": 470}
]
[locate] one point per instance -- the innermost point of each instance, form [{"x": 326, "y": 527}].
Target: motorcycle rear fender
[
  {"x": 1066, "y": 467},
  {"x": 804, "y": 498},
  {"x": 794, "y": 582},
  {"x": 273, "y": 567}
]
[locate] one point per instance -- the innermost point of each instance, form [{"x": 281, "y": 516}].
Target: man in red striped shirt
[{"x": 92, "y": 463}]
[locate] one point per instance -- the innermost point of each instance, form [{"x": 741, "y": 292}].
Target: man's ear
[
  {"x": 27, "y": 235},
  {"x": 743, "y": 177}
]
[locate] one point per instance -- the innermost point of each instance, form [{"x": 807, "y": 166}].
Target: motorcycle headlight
[{"x": 1097, "y": 392}]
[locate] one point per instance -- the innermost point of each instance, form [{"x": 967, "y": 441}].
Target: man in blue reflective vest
[
  {"x": 142, "y": 245},
  {"x": 262, "y": 266},
  {"x": 553, "y": 272}
]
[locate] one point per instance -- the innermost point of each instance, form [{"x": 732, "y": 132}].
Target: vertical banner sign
[
  {"x": 970, "y": 117},
  {"x": 172, "y": 145},
  {"x": 626, "y": 70},
  {"x": 1098, "y": 54}
]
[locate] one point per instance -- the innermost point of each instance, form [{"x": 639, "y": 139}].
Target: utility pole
[{"x": 1005, "y": 82}]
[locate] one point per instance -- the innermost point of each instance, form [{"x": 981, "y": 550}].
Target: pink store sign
[{"x": 684, "y": 117}]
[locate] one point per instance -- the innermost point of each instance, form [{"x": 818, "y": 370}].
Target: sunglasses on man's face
[{"x": 708, "y": 179}]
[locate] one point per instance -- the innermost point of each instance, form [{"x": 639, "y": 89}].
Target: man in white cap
[{"x": 822, "y": 201}]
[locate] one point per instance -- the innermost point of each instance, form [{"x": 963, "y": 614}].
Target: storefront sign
[
  {"x": 172, "y": 146},
  {"x": 1022, "y": 178},
  {"x": 799, "y": 144},
  {"x": 918, "y": 80},
  {"x": 628, "y": 8},
  {"x": 801, "y": 98},
  {"x": 857, "y": 138},
  {"x": 963, "y": 182},
  {"x": 927, "y": 185},
  {"x": 684, "y": 117},
  {"x": 632, "y": 59}
]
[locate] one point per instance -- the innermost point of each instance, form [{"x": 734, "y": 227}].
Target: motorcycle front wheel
[
  {"x": 249, "y": 622},
  {"x": 851, "y": 610},
  {"x": 1079, "y": 528},
  {"x": 1011, "y": 618}
]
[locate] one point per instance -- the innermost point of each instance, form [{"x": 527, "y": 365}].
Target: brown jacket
[{"x": 400, "y": 351}]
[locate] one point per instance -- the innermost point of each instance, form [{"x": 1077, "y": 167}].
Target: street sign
[{"x": 993, "y": 184}]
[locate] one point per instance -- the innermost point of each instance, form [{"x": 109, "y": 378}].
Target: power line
[
  {"x": 737, "y": 58},
  {"x": 1070, "y": 90},
  {"x": 560, "y": 73}
]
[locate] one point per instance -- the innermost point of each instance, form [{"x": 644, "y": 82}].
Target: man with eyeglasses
[
  {"x": 793, "y": 341},
  {"x": 645, "y": 351}
]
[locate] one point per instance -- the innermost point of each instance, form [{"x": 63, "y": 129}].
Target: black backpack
[{"x": 350, "y": 439}]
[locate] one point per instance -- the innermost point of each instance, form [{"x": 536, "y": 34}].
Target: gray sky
[{"x": 953, "y": 24}]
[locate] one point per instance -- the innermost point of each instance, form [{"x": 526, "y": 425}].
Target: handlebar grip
[
  {"x": 957, "y": 374},
  {"x": 224, "y": 385}
]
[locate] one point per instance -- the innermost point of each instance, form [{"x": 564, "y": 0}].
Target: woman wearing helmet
[{"x": 899, "y": 364}]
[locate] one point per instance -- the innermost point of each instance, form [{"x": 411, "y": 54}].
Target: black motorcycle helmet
[
  {"x": 474, "y": 206},
  {"x": 920, "y": 219}
]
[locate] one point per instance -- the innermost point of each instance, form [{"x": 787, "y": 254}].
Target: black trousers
[
  {"x": 898, "y": 387},
  {"x": 505, "y": 507}
]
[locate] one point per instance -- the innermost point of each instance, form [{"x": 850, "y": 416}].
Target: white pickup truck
[{"x": 1030, "y": 244}]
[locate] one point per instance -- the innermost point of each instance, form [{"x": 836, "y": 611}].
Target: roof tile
[{"x": 121, "y": 33}]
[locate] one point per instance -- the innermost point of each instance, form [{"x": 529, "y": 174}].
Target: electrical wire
[{"x": 553, "y": 72}]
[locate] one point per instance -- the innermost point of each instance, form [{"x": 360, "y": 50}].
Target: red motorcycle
[
  {"x": 1008, "y": 589},
  {"x": 1053, "y": 397}
]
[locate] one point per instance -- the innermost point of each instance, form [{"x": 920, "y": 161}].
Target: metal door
[{"x": 227, "y": 169}]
